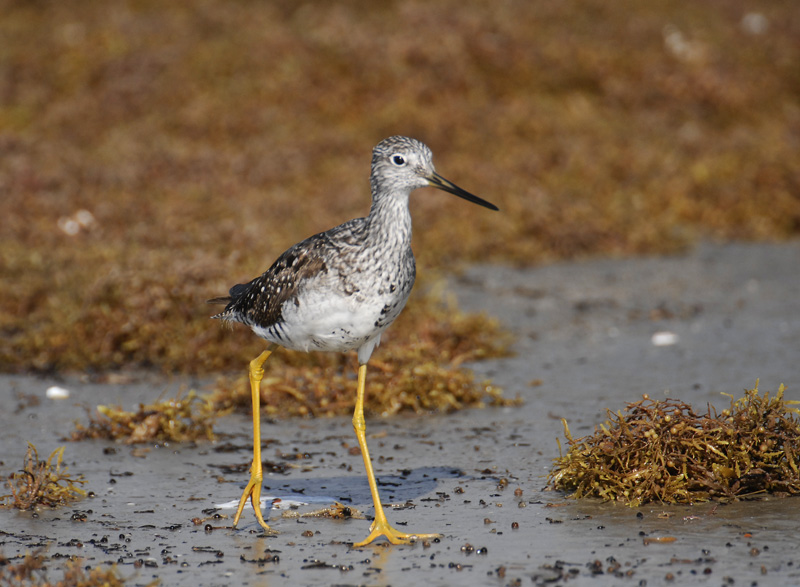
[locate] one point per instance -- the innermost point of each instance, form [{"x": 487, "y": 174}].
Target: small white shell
[
  {"x": 664, "y": 338},
  {"x": 55, "y": 392}
]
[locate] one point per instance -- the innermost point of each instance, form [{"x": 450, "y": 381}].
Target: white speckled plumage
[{"x": 340, "y": 289}]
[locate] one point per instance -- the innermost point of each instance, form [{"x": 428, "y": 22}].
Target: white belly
[{"x": 325, "y": 322}]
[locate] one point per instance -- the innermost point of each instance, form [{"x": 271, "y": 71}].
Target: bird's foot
[
  {"x": 253, "y": 491},
  {"x": 383, "y": 528}
]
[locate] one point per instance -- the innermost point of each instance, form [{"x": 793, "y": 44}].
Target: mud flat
[{"x": 591, "y": 336}]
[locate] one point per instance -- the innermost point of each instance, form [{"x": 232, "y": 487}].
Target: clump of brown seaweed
[
  {"x": 421, "y": 373},
  {"x": 42, "y": 482},
  {"x": 176, "y": 420},
  {"x": 663, "y": 451},
  {"x": 32, "y": 571},
  {"x": 337, "y": 511}
]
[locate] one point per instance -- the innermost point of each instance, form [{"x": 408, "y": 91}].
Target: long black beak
[{"x": 437, "y": 181}]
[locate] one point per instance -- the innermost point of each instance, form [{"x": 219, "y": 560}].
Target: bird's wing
[{"x": 260, "y": 301}]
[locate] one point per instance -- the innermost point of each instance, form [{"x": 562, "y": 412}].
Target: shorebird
[{"x": 338, "y": 291}]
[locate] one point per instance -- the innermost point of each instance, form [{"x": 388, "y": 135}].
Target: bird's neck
[{"x": 389, "y": 220}]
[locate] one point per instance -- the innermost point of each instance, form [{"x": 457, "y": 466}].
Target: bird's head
[{"x": 402, "y": 164}]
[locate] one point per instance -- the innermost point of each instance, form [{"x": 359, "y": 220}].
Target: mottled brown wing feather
[
  {"x": 260, "y": 302},
  {"x": 279, "y": 285}
]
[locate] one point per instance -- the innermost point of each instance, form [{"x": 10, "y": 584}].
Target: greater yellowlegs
[{"x": 338, "y": 291}]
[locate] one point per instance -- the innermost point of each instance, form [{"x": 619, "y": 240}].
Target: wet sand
[{"x": 585, "y": 343}]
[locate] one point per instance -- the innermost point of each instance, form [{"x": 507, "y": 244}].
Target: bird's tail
[
  {"x": 220, "y": 300},
  {"x": 234, "y": 294}
]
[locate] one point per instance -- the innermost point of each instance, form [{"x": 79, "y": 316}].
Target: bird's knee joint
[{"x": 256, "y": 370}]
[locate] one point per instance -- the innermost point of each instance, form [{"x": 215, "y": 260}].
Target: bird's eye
[{"x": 398, "y": 160}]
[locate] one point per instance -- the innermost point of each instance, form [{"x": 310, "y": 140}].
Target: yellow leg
[
  {"x": 380, "y": 527},
  {"x": 253, "y": 489}
]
